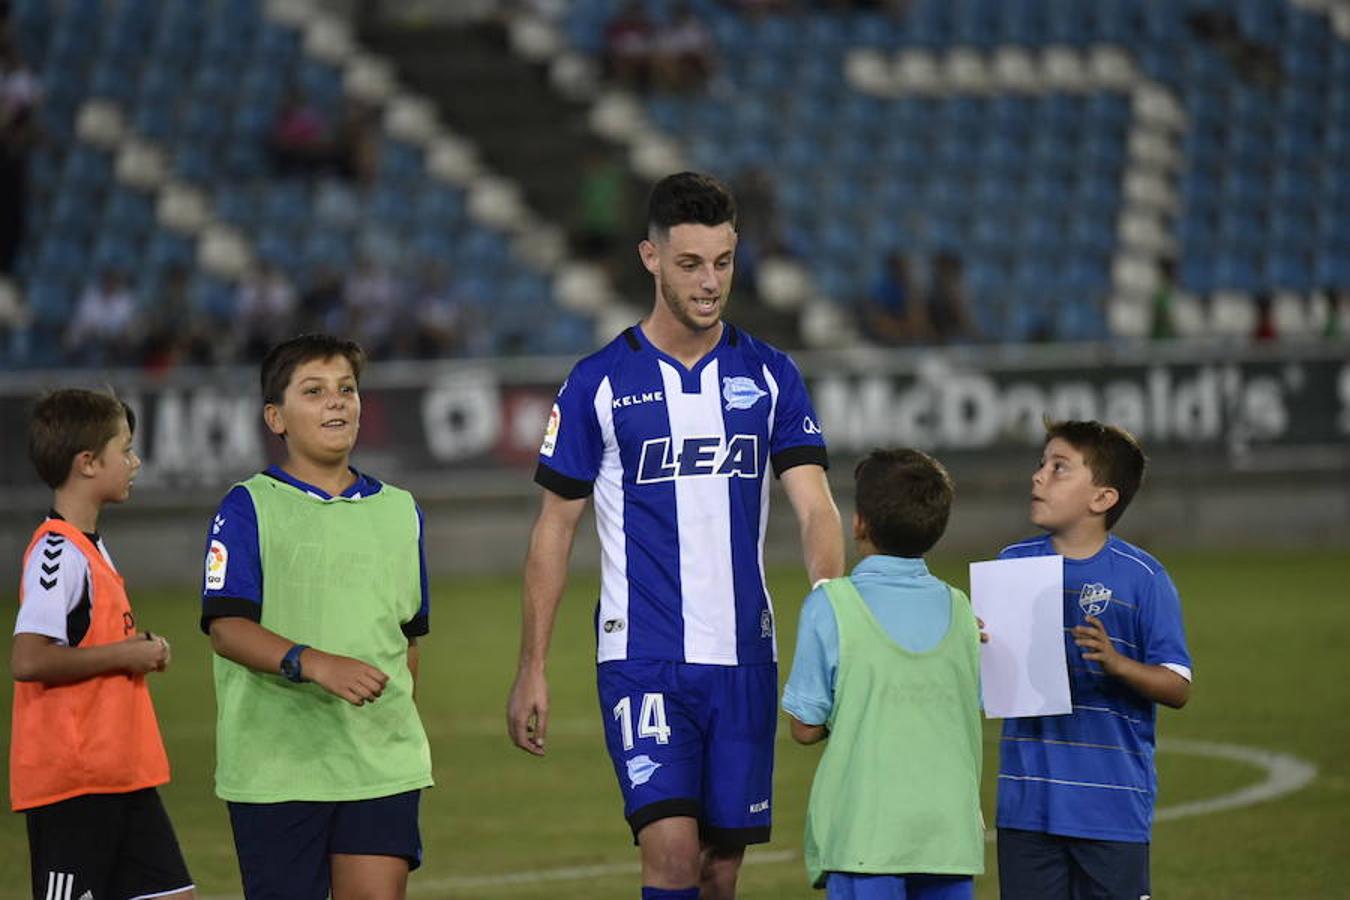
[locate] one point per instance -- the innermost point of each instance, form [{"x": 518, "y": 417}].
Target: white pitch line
[{"x": 1285, "y": 774}]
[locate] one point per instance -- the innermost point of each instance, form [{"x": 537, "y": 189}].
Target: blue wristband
[{"x": 290, "y": 663}]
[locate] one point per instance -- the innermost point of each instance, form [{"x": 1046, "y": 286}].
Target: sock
[{"x": 651, "y": 893}]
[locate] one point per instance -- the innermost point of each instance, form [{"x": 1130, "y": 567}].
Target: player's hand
[
  {"x": 144, "y": 653},
  {"x": 1097, "y": 646},
  {"x": 984, "y": 635},
  {"x": 346, "y": 678},
  {"x": 527, "y": 712}
]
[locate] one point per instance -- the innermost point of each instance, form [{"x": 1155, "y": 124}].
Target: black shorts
[
  {"x": 115, "y": 846},
  {"x": 285, "y": 849},
  {"x": 1033, "y": 865}
]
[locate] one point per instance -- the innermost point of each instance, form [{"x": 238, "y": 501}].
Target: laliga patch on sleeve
[
  {"x": 217, "y": 558},
  {"x": 551, "y": 432}
]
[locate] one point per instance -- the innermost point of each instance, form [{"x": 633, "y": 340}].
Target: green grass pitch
[{"x": 1268, "y": 633}]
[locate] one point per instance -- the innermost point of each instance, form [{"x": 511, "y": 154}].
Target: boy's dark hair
[
  {"x": 66, "y": 423},
  {"x": 281, "y": 361},
  {"x": 903, "y": 497},
  {"x": 1112, "y": 455},
  {"x": 688, "y": 198}
]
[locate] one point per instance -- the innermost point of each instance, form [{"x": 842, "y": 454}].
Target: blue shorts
[
  {"x": 848, "y": 886},
  {"x": 1033, "y": 865},
  {"x": 693, "y": 740},
  {"x": 285, "y": 849}
]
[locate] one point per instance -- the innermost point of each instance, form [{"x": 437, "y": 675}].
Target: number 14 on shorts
[{"x": 651, "y": 719}]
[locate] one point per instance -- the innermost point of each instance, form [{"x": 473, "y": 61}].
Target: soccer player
[
  {"x": 86, "y": 755},
  {"x": 1076, "y": 792},
  {"x": 888, "y": 669},
  {"x": 674, "y": 426},
  {"x": 315, "y": 595}
]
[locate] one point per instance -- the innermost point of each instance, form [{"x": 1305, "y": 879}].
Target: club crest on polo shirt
[
  {"x": 1094, "y": 598},
  {"x": 641, "y": 769},
  {"x": 741, "y": 392}
]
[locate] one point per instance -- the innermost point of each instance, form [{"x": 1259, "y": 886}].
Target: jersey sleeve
[
  {"x": 55, "y": 581},
  {"x": 1163, "y": 629},
  {"x": 420, "y": 624},
  {"x": 569, "y": 458},
  {"x": 796, "y": 438},
  {"x": 233, "y": 583},
  {"x": 808, "y": 695}
]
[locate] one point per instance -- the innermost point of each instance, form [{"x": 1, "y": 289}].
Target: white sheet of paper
[{"x": 1022, "y": 668}]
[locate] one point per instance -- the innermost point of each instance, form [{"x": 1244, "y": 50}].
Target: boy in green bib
[
  {"x": 315, "y": 594},
  {"x": 887, "y": 668}
]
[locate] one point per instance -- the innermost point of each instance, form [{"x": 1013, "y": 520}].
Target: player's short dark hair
[
  {"x": 903, "y": 498},
  {"x": 66, "y": 423},
  {"x": 283, "y": 359},
  {"x": 1112, "y": 455},
  {"x": 688, "y": 198}
]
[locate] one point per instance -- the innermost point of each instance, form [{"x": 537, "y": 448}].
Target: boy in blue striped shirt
[{"x": 1076, "y": 792}]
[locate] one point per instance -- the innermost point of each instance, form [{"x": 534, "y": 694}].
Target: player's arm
[
  {"x": 1157, "y": 683},
  {"x": 545, "y": 578},
  {"x": 37, "y": 657},
  {"x": 251, "y": 645},
  {"x": 822, "y": 532},
  {"x": 414, "y": 661},
  {"x": 807, "y": 734}
]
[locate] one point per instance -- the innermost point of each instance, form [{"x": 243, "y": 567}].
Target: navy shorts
[
  {"x": 105, "y": 845},
  {"x": 847, "y": 886},
  {"x": 285, "y": 848},
  {"x": 1033, "y": 865},
  {"x": 693, "y": 740}
]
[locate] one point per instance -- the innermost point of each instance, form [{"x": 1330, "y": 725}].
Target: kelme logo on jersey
[
  {"x": 741, "y": 392},
  {"x": 217, "y": 558},
  {"x": 641, "y": 769},
  {"x": 696, "y": 457},
  {"x": 1094, "y": 598}
]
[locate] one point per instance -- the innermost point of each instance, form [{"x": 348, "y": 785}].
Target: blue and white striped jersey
[
  {"x": 677, "y": 459},
  {"x": 1090, "y": 774}
]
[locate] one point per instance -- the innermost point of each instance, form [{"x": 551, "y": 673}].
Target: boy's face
[
  {"x": 1062, "y": 492},
  {"x": 320, "y": 411},
  {"x": 115, "y": 466}
]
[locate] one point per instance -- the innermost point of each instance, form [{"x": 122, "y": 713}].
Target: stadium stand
[
  {"x": 198, "y": 89},
  {"x": 1062, "y": 148},
  {"x": 1067, "y": 152}
]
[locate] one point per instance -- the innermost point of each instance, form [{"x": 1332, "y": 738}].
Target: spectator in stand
[
  {"x": 300, "y": 141},
  {"x": 629, "y": 46},
  {"x": 444, "y": 316},
  {"x": 356, "y": 147},
  {"x": 265, "y": 310},
  {"x": 1163, "y": 325},
  {"x": 102, "y": 331},
  {"x": 20, "y": 95},
  {"x": 685, "y": 54},
  {"x": 894, "y": 313},
  {"x": 373, "y": 304},
  {"x": 321, "y": 303},
  {"x": 948, "y": 306},
  {"x": 175, "y": 334},
  {"x": 1264, "y": 330},
  {"x": 602, "y": 199}
]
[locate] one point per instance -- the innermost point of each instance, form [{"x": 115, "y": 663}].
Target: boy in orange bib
[{"x": 85, "y": 752}]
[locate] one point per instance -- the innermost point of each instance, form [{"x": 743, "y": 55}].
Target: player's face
[
  {"x": 320, "y": 412},
  {"x": 116, "y": 466},
  {"x": 1062, "y": 492},
  {"x": 693, "y": 265}
]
